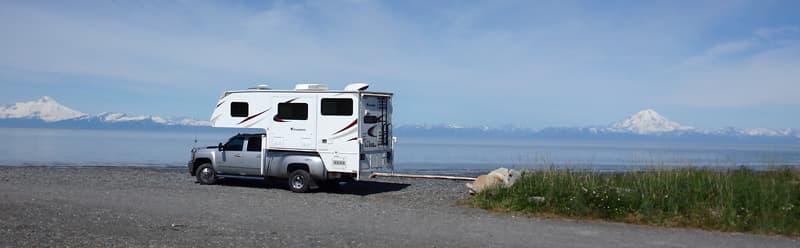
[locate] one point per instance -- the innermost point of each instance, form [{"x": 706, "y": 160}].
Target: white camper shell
[{"x": 350, "y": 129}]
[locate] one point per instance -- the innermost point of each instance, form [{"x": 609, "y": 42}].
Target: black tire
[
  {"x": 300, "y": 181},
  {"x": 206, "y": 174}
]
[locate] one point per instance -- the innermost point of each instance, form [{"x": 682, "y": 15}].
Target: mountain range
[
  {"x": 47, "y": 112},
  {"x": 643, "y": 125},
  {"x": 646, "y": 124}
]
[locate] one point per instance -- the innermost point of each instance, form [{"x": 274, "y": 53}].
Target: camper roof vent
[
  {"x": 356, "y": 87},
  {"x": 310, "y": 87},
  {"x": 261, "y": 87}
]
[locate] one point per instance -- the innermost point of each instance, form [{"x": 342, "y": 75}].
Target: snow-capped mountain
[
  {"x": 645, "y": 124},
  {"x": 647, "y": 121},
  {"x": 45, "y": 109},
  {"x": 52, "y": 113}
]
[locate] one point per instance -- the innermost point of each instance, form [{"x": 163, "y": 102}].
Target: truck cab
[{"x": 241, "y": 155}]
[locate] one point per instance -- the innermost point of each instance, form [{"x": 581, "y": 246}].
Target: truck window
[
  {"x": 254, "y": 144},
  {"x": 293, "y": 111},
  {"x": 235, "y": 144},
  {"x": 239, "y": 109},
  {"x": 337, "y": 106}
]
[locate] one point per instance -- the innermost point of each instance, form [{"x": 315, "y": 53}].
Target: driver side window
[{"x": 235, "y": 144}]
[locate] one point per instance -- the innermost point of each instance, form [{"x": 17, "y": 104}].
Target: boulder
[{"x": 500, "y": 177}]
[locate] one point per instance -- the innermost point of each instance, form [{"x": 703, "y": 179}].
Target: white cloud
[
  {"x": 764, "y": 71},
  {"x": 719, "y": 51},
  {"x": 157, "y": 48},
  {"x": 759, "y": 41},
  {"x": 776, "y": 31},
  {"x": 206, "y": 43}
]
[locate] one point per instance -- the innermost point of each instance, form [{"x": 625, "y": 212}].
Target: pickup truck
[{"x": 241, "y": 157}]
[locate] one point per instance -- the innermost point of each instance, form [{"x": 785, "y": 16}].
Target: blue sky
[{"x": 525, "y": 63}]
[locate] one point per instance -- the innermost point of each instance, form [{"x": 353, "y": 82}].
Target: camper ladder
[{"x": 383, "y": 105}]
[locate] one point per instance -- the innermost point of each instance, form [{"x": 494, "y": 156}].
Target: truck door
[
  {"x": 251, "y": 157},
  {"x": 294, "y": 124},
  {"x": 232, "y": 156}
]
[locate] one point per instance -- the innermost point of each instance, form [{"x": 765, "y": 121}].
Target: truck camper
[{"x": 312, "y": 136}]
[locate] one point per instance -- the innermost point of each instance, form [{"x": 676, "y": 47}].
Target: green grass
[{"x": 740, "y": 200}]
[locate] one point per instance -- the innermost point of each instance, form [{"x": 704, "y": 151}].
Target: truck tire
[
  {"x": 299, "y": 181},
  {"x": 206, "y": 174}
]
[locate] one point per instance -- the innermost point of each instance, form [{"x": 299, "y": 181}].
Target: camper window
[
  {"x": 254, "y": 144},
  {"x": 370, "y": 119},
  {"x": 337, "y": 106},
  {"x": 293, "y": 111},
  {"x": 239, "y": 109}
]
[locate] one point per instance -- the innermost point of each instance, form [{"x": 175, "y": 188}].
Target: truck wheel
[
  {"x": 299, "y": 181},
  {"x": 206, "y": 174}
]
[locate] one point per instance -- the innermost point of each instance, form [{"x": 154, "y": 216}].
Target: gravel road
[{"x": 140, "y": 207}]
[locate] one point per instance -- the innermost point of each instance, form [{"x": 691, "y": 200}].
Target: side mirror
[{"x": 220, "y": 147}]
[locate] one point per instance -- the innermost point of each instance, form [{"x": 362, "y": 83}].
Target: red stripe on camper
[
  {"x": 347, "y": 127},
  {"x": 354, "y": 138},
  {"x": 251, "y": 117}
]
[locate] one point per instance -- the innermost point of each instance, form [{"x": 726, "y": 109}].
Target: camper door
[
  {"x": 376, "y": 132},
  {"x": 294, "y": 124}
]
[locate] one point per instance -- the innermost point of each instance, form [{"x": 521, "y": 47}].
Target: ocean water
[{"x": 85, "y": 147}]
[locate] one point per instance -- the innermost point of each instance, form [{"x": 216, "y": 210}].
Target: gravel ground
[{"x": 141, "y": 207}]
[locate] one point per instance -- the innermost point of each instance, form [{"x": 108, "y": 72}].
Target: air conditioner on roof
[{"x": 311, "y": 87}]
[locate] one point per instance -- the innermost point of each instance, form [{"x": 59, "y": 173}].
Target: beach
[{"x": 165, "y": 207}]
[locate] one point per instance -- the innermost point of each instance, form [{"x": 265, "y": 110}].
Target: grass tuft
[{"x": 740, "y": 199}]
